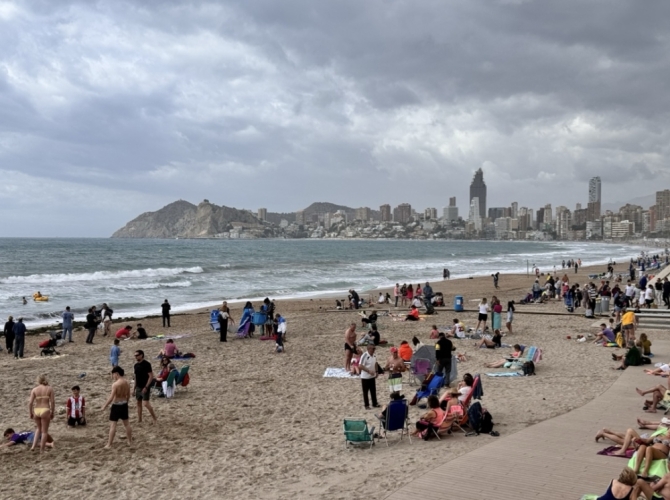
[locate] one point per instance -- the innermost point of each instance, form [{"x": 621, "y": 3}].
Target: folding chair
[
  {"x": 437, "y": 428},
  {"x": 181, "y": 378},
  {"x": 396, "y": 419},
  {"x": 170, "y": 384},
  {"x": 356, "y": 431},
  {"x": 214, "y": 320},
  {"x": 433, "y": 388},
  {"x": 420, "y": 368}
]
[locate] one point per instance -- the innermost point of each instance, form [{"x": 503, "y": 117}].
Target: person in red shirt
[
  {"x": 413, "y": 314},
  {"x": 170, "y": 350},
  {"x": 76, "y": 408},
  {"x": 124, "y": 332}
]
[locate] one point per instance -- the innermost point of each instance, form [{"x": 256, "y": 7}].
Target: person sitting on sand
[
  {"x": 632, "y": 358},
  {"x": 76, "y": 408},
  {"x": 124, "y": 333},
  {"x": 490, "y": 343},
  {"x": 405, "y": 351},
  {"x": 505, "y": 363},
  {"x": 141, "y": 332},
  {"x": 372, "y": 337},
  {"x": 170, "y": 350},
  {"x": 338, "y": 305},
  {"x": 24, "y": 437},
  {"x": 660, "y": 487},
  {"x": 413, "y": 314},
  {"x": 605, "y": 335},
  {"x": 434, "y": 332},
  {"x": 416, "y": 302},
  {"x": 644, "y": 344},
  {"x": 368, "y": 319},
  {"x": 416, "y": 344},
  {"x": 457, "y": 330},
  {"x": 432, "y": 418},
  {"x": 355, "y": 359}
]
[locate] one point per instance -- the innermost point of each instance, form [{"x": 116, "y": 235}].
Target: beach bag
[
  {"x": 475, "y": 416},
  {"x": 486, "y": 424},
  {"x": 528, "y": 368},
  {"x": 619, "y": 339}
]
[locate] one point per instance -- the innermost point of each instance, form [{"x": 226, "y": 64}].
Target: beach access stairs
[{"x": 656, "y": 319}]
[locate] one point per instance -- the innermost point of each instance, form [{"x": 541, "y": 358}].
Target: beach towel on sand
[
  {"x": 504, "y": 374},
  {"x": 338, "y": 373},
  {"x": 611, "y": 450}
]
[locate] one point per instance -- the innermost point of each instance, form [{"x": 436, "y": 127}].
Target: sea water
[{"x": 135, "y": 276}]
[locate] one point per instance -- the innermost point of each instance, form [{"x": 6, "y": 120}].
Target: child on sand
[
  {"x": 434, "y": 333},
  {"x": 355, "y": 368},
  {"x": 25, "y": 437},
  {"x": 76, "y": 408},
  {"x": 114, "y": 353}
]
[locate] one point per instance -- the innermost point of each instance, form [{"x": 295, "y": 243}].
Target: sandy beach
[{"x": 257, "y": 424}]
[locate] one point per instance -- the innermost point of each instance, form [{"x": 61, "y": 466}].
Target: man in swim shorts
[
  {"x": 119, "y": 399},
  {"x": 349, "y": 345}
]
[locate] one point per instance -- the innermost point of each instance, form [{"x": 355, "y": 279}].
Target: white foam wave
[
  {"x": 101, "y": 275},
  {"x": 150, "y": 286}
]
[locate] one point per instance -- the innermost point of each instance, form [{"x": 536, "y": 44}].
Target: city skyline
[{"x": 112, "y": 109}]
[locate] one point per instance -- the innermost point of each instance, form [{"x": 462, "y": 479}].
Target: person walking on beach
[
  {"x": 496, "y": 277},
  {"x": 9, "y": 334},
  {"x": 68, "y": 318},
  {"x": 19, "y": 338},
  {"x": 349, "y": 345},
  {"x": 165, "y": 310},
  {"x": 368, "y": 367},
  {"x": 396, "y": 293},
  {"x": 106, "y": 319},
  {"x": 119, "y": 400},
  {"x": 42, "y": 406},
  {"x": 144, "y": 375},
  {"x": 666, "y": 292},
  {"x": 443, "y": 355}
]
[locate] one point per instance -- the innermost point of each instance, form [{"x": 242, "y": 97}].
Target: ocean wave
[
  {"x": 150, "y": 286},
  {"x": 39, "y": 279}
]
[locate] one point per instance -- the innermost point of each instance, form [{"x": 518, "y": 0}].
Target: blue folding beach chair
[
  {"x": 396, "y": 419},
  {"x": 433, "y": 387},
  {"x": 214, "y": 320}
]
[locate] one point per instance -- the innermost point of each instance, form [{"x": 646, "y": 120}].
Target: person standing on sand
[
  {"x": 9, "y": 334},
  {"x": 144, "y": 375},
  {"x": 165, "y": 310},
  {"x": 68, "y": 318},
  {"x": 106, "y": 319},
  {"x": 443, "y": 355},
  {"x": 396, "y": 293},
  {"x": 368, "y": 367},
  {"x": 42, "y": 406},
  {"x": 119, "y": 400},
  {"x": 223, "y": 317},
  {"x": 19, "y": 338},
  {"x": 91, "y": 325},
  {"x": 395, "y": 366},
  {"x": 349, "y": 345}
]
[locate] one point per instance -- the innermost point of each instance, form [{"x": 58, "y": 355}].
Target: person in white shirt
[
  {"x": 483, "y": 314},
  {"x": 381, "y": 298},
  {"x": 368, "y": 366},
  {"x": 417, "y": 302},
  {"x": 630, "y": 290},
  {"x": 649, "y": 296}
]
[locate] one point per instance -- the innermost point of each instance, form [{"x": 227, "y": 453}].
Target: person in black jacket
[
  {"x": 666, "y": 292},
  {"x": 9, "y": 334},
  {"x": 92, "y": 321},
  {"x": 443, "y": 349},
  {"x": 165, "y": 308}
]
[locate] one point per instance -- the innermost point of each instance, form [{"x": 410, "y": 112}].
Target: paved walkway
[{"x": 554, "y": 459}]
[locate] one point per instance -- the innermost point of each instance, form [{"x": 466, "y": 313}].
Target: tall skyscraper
[
  {"x": 263, "y": 213},
  {"x": 475, "y": 214},
  {"x": 515, "y": 210},
  {"x": 478, "y": 190},
  {"x": 662, "y": 204},
  {"x": 594, "y": 190},
  {"x": 402, "y": 213},
  {"x": 452, "y": 201}
]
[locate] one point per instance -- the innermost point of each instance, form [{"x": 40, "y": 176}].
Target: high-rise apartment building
[
  {"x": 385, "y": 213},
  {"x": 514, "y": 210},
  {"x": 430, "y": 213},
  {"x": 594, "y": 190},
  {"x": 363, "y": 213},
  {"x": 498, "y": 212},
  {"x": 450, "y": 213},
  {"x": 478, "y": 190},
  {"x": 475, "y": 214},
  {"x": 452, "y": 201},
  {"x": 402, "y": 213},
  {"x": 300, "y": 218},
  {"x": 663, "y": 204},
  {"x": 548, "y": 218},
  {"x": 263, "y": 213}
]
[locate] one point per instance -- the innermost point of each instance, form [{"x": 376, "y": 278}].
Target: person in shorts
[
  {"x": 628, "y": 327},
  {"x": 119, "y": 400},
  {"x": 143, "y": 377}
]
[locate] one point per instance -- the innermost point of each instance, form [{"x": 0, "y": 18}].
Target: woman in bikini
[{"x": 42, "y": 407}]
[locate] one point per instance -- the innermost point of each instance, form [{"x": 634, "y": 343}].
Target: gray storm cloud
[{"x": 115, "y": 108}]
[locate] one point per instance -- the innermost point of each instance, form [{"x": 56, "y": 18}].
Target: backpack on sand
[{"x": 528, "y": 368}]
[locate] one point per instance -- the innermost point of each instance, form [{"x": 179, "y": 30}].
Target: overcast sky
[{"x": 114, "y": 108}]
